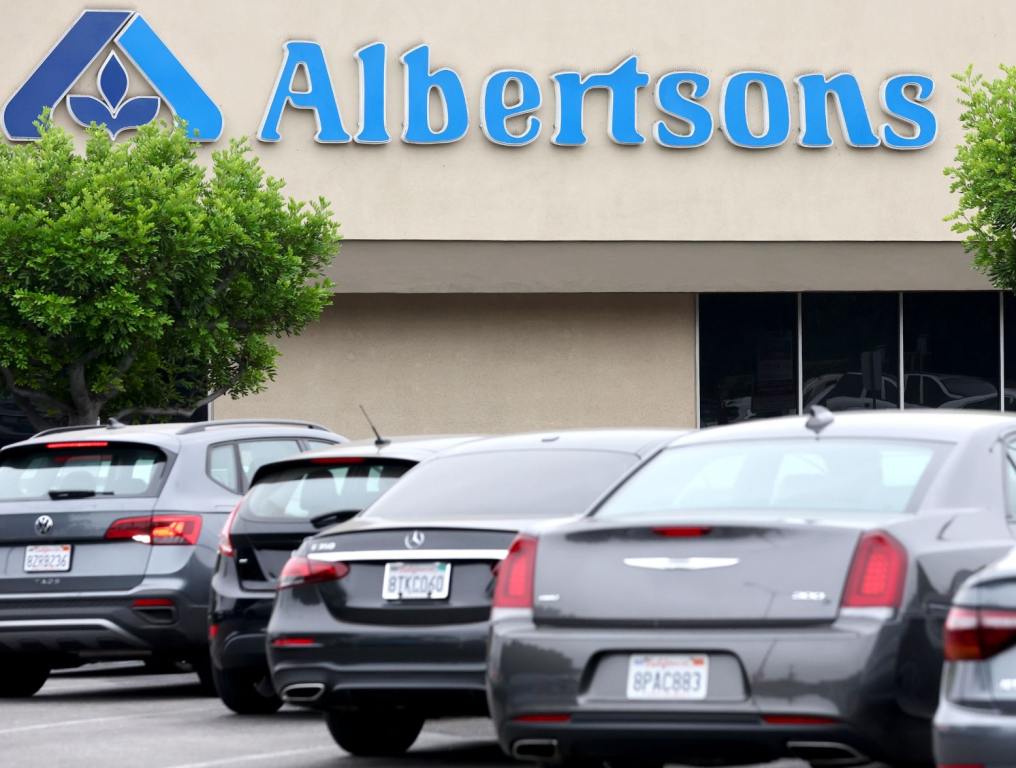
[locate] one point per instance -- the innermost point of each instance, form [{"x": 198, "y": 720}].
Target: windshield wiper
[
  {"x": 330, "y": 518},
  {"x": 78, "y": 494}
]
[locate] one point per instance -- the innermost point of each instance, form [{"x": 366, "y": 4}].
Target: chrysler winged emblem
[
  {"x": 680, "y": 563},
  {"x": 43, "y": 524},
  {"x": 414, "y": 540}
]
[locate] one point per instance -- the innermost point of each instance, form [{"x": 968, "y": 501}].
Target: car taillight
[
  {"x": 157, "y": 529},
  {"x": 225, "y": 542},
  {"x": 972, "y": 634},
  {"x": 514, "y": 585},
  {"x": 877, "y": 573},
  {"x": 300, "y": 570},
  {"x": 682, "y": 531}
]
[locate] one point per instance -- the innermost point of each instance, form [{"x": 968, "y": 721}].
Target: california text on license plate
[
  {"x": 416, "y": 581},
  {"x": 47, "y": 558},
  {"x": 669, "y": 677}
]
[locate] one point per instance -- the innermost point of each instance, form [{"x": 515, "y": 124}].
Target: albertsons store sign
[{"x": 509, "y": 105}]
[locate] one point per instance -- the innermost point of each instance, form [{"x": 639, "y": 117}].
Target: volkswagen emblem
[
  {"x": 414, "y": 540},
  {"x": 43, "y": 524}
]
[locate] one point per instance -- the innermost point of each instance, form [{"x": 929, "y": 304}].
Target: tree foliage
[
  {"x": 135, "y": 281},
  {"x": 984, "y": 174}
]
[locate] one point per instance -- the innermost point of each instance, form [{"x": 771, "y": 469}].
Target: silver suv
[{"x": 108, "y": 539}]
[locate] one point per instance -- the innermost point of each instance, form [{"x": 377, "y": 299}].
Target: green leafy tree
[
  {"x": 984, "y": 174},
  {"x": 136, "y": 282}
]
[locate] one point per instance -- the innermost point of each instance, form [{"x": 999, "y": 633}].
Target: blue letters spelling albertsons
[
  {"x": 78, "y": 48},
  {"x": 509, "y": 94}
]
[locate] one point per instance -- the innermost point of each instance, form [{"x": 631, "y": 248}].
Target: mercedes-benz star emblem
[
  {"x": 414, "y": 540},
  {"x": 43, "y": 524}
]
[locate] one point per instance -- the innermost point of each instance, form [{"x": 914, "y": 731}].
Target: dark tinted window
[
  {"x": 951, "y": 350},
  {"x": 850, "y": 350},
  {"x": 503, "y": 484},
  {"x": 307, "y": 491},
  {"x": 747, "y": 356},
  {"x": 64, "y": 473},
  {"x": 799, "y": 478}
]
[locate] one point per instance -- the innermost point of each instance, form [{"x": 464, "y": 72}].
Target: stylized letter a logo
[{"x": 78, "y": 48}]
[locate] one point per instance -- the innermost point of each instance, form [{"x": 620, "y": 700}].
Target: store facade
[{"x": 562, "y": 214}]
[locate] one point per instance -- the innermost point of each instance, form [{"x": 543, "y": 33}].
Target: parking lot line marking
[
  {"x": 93, "y": 720},
  {"x": 261, "y": 756}
]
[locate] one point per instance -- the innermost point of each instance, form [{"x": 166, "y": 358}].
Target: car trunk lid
[{"x": 695, "y": 573}]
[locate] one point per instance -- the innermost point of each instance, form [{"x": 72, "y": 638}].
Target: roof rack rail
[
  {"x": 201, "y": 426},
  {"x": 76, "y": 428}
]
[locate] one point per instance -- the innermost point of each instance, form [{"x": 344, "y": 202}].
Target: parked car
[
  {"x": 108, "y": 538},
  {"x": 381, "y": 622},
  {"x": 758, "y": 591},
  {"x": 976, "y": 720},
  {"x": 288, "y": 501}
]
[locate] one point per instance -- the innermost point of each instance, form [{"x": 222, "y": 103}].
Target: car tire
[
  {"x": 20, "y": 679},
  {"x": 246, "y": 691},
  {"x": 377, "y": 733}
]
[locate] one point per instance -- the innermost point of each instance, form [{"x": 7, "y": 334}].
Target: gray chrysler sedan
[
  {"x": 976, "y": 720},
  {"x": 382, "y": 621},
  {"x": 765, "y": 590}
]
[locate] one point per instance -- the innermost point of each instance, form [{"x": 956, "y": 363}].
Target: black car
[
  {"x": 382, "y": 622},
  {"x": 288, "y": 501},
  {"x": 759, "y": 591}
]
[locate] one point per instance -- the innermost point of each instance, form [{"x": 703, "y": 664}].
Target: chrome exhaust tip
[
  {"x": 303, "y": 693},
  {"x": 540, "y": 750},
  {"x": 826, "y": 754}
]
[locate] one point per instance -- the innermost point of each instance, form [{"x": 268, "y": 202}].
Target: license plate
[
  {"x": 668, "y": 677},
  {"x": 47, "y": 558},
  {"x": 416, "y": 581}
]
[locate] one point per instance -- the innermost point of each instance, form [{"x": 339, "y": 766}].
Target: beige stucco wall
[
  {"x": 474, "y": 190},
  {"x": 423, "y": 364}
]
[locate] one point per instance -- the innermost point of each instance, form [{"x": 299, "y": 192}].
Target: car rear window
[
  {"x": 310, "y": 490},
  {"x": 779, "y": 479},
  {"x": 504, "y": 484},
  {"x": 68, "y": 471}
]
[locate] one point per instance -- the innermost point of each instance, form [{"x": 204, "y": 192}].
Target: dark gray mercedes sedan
[
  {"x": 976, "y": 721},
  {"x": 382, "y": 621},
  {"x": 765, "y": 590}
]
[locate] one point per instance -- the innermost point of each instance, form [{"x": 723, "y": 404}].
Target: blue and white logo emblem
[{"x": 79, "y": 48}]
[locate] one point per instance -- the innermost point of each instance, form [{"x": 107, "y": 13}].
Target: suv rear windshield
[
  {"x": 805, "y": 478},
  {"x": 504, "y": 484},
  {"x": 310, "y": 490},
  {"x": 96, "y": 469}
]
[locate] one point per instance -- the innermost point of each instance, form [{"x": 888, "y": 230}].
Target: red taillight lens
[
  {"x": 293, "y": 642},
  {"x": 157, "y": 529},
  {"x": 301, "y": 570},
  {"x": 514, "y": 585},
  {"x": 877, "y": 573},
  {"x": 225, "y": 542},
  {"x": 798, "y": 720},
  {"x": 78, "y": 444},
  {"x": 682, "y": 531},
  {"x": 972, "y": 634},
  {"x": 338, "y": 460},
  {"x": 543, "y": 717},
  {"x": 152, "y": 602}
]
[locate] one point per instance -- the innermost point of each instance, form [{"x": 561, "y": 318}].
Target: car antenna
[
  {"x": 819, "y": 417},
  {"x": 379, "y": 441}
]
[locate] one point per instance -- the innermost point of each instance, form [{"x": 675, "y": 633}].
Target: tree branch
[{"x": 182, "y": 412}]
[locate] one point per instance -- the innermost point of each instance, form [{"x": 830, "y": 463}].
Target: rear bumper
[
  {"x": 75, "y": 628},
  {"x": 438, "y": 670},
  {"x": 971, "y": 736},
  {"x": 843, "y": 673},
  {"x": 241, "y": 625}
]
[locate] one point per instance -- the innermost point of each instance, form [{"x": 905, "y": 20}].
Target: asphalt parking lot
[
  {"x": 111, "y": 716},
  {"x": 115, "y": 715}
]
